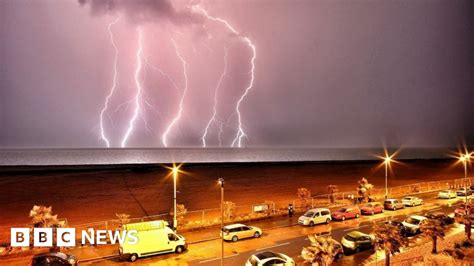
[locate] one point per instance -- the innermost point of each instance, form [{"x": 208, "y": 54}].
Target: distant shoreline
[{"x": 22, "y": 169}]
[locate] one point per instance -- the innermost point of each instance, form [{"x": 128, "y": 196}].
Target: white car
[
  {"x": 447, "y": 194},
  {"x": 269, "y": 258},
  {"x": 234, "y": 232},
  {"x": 412, "y": 201},
  {"x": 315, "y": 216},
  {"x": 412, "y": 223}
]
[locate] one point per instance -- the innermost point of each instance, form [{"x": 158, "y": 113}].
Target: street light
[
  {"x": 220, "y": 181},
  {"x": 464, "y": 159},
  {"x": 175, "y": 171},
  {"x": 387, "y": 160}
]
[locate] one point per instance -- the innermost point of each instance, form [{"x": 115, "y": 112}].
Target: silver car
[{"x": 412, "y": 201}]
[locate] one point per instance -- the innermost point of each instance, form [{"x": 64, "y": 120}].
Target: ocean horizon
[{"x": 118, "y": 156}]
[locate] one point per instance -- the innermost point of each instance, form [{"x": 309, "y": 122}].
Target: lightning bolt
[
  {"x": 240, "y": 131},
  {"x": 164, "y": 137},
  {"x": 114, "y": 84},
  {"x": 138, "y": 85},
  {"x": 214, "y": 114}
]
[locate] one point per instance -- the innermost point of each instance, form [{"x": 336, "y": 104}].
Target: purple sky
[{"x": 327, "y": 73}]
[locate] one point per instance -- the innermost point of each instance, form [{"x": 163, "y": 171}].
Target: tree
[
  {"x": 229, "y": 209},
  {"x": 123, "y": 218},
  {"x": 364, "y": 189},
  {"x": 388, "y": 239},
  {"x": 304, "y": 195},
  {"x": 467, "y": 221},
  {"x": 322, "y": 251},
  {"x": 332, "y": 189},
  {"x": 181, "y": 211},
  {"x": 271, "y": 207},
  {"x": 42, "y": 216},
  {"x": 434, "y": 229}
]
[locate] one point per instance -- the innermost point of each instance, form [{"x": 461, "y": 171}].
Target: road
[{"x": 285, "y": 239}]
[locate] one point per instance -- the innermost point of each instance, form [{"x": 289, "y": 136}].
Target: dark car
[
  {"x": 53, "y": 259},
  {"x": 356, "y": 241},
  {"x": 400, "y": 226},
  {"x": 444, "y": 218}
]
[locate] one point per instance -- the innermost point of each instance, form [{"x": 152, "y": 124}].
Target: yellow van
[{"x": 154, "y": 237}]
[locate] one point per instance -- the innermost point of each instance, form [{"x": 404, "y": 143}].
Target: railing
[{"x": 208, "y": 217}]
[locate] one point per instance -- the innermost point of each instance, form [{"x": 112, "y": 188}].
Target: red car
[
  {"x": 346, "y": 213},
  {"x": 462, "y": 210},
  {"x": 372, "y": 208}
]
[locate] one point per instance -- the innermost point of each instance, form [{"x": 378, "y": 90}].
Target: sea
[{"x": 115, "y": 156}]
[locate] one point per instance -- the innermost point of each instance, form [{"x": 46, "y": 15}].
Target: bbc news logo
[{"x": 66, "y": 237}]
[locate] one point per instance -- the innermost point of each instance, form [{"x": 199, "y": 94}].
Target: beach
[{"x": 89, "y": 194}]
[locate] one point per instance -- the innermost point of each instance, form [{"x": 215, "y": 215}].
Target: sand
[{"x": 97, "y": 194}]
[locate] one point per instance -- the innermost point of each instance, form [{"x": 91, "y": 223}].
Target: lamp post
[
  {"x": 221, "y": 183},
  {"x": 387, "y": 161},
  {"x": 175, "y": 171},
  {"x": 465, "y": 158}
]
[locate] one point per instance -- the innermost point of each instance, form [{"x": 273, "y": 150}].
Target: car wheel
[
  {"x": 235, "y": 238},
  {"x": 179, "y": 249},
  {"x": 328, "y": 220},
  {"x": 133, "y": 257},
  {"x": 256, "y": 235},
  {"x": 339, "y": 256},
  {"x": 311, "y": 223}
]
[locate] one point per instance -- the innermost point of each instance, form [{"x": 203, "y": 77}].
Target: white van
[
  {"x": 154, "y": 237},
  {"x": 315, "y": 216}
]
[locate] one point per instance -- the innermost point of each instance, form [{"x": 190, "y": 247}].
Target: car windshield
[
  {"x": 407, "y": 198},
  {"x": 350, "y": 238},
  {"x": 342, "y": 210},
  {"x": 412, "y": 220},
  {"x": 370, "y": 205},
  {"x": 309, "y": 214},
  {"x": 444, "y": 191}
]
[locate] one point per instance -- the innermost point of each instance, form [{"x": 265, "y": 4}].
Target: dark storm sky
[{"x": 327, "y": 73}]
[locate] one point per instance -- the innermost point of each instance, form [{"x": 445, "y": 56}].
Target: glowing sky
[{"x": 326, "y": 73}]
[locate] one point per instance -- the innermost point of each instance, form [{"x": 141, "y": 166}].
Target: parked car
[
  {"x": 53, "y": 259},
  {"x": 315, "y": 216},
  {"x": 463, "y": 209},
  {"x": 400, "y": 226},
  {"x": 346, "y": 213},
  {"x": 234, "y": 232},
  {"x": 372, "y": 208},
  {"x": 393, "y": 204},
  {"x": 269, "y": 258},
  {"x": 412, "y": 201},
  {"x": 462, "y": 192},
  {"x": 444, "y": 218},
  {"x": 356, "y": 241},
  {"x": 412, "y": 224},
  {"x": 447, "y": 194}
]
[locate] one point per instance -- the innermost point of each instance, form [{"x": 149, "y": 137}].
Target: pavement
[{"x": 279, "y": 234}]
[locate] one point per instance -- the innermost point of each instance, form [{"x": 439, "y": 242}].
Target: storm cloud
[{"x": 140, "y": 11}]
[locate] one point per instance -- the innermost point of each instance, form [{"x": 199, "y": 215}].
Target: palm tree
[
  {"x": 332, "y": 189},
  {"x": 304, "y": 195},
  {"x": 323, "y": 250},
  {"x": 388, "y": 239},
  {"x": 364, "y": 189},
  {"x": 42, "y": 216},
  {"x": 433, "y": 229},
  {"x": 467, "y": 221}
]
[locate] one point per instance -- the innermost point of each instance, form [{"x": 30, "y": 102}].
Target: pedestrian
[{"x": 290, "y": 210}]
